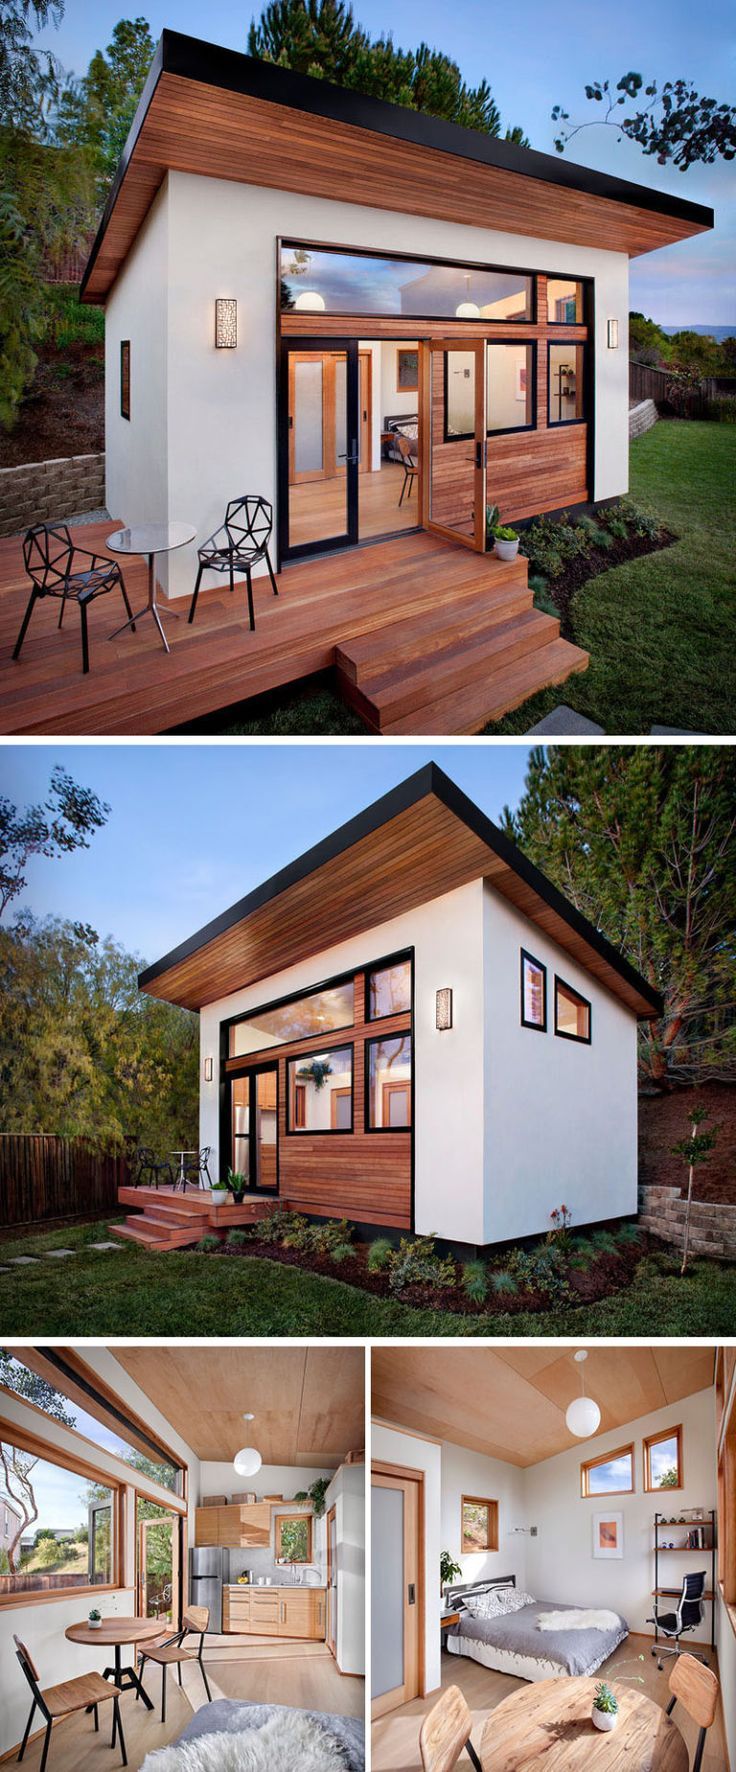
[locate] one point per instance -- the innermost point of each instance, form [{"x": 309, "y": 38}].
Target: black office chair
[
  {"x": 57, "y": 568},
  {"x": 238, "y": 546},
  {"x": 688, "y": 1614}
]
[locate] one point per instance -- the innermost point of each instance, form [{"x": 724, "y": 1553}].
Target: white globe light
[
  {"x": 310, "y": 302},
  {"x": 583, "y": 1417},
  {"x": 468, "y": 310},
  {"x": 247, "y": 1461}
]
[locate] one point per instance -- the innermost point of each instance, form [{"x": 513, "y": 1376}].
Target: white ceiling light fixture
[
  {"x": 309, "y": 301},
  {"x": 247, "y": 1461},
  {"x": 468, "y": 310},
  {"x": 583, "y": 1417}
]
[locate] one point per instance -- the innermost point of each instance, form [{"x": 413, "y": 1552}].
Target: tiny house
[{"x": 413, "y": 1028}]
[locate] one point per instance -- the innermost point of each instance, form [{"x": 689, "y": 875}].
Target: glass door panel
[
  {"x": 455, "y": 399},
  {"x": 241, "y": 1123},
  {"x": 254, "y": 1127},
  {"x": 319, "y": 447},
  {"x": 158, "y": 1563},
  {"x": 266, "y": 1129},
  {"x": 387, "y": 1538}
]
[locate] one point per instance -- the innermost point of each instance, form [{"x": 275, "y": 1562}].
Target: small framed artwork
[
  {"x": 407, "y": 372},
  {"x": 522, "y": 381},
  {"x": 608, "y": 1534}
]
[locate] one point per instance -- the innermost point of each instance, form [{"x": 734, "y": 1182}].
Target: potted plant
[
  {"x": 316, "y": 1494},
  {"x": 605, "y": 1707},
  {"x": 236, "y": 1185},
  {"x": 449, "y": 1570},
  {"x": 94, "y": 1619},
  {"x": 219, "y": 1193},
  {"x": 505, "y": 542}
]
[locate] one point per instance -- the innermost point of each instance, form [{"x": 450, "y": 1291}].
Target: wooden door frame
[
  {"x": 406, "y": 1473},
  {"x": 428, "y": 348},
  {"x": 365, "y": 363},
  {"x": 331, "y": 1609},
  {"x": 178, "y": 1559},
  {"x": 330, "y": 469}
]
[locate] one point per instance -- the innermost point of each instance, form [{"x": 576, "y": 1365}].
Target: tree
[
  {"x": 322, "y": 38},
  {"x": 696, "y": 1150},
  {"x": 29, "y": 78},
  {"x": 647, "y": 342},
  {"x": 96, "y": 112},
  {"x": 18, "y": 1466},
  {"x": 676, "y": 124},
  {"x": 61, "y": 823},
  {"x": 669, "y": 1479},
  {"x": 642, "y": 839}
]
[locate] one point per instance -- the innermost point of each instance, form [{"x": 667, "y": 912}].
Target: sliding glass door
[{"x": 254, "y": 1127}]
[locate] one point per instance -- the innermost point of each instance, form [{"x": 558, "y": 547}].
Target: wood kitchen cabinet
[
  {"x": 275, "y": 1611},
  {"x": 246, "y": 1527}
]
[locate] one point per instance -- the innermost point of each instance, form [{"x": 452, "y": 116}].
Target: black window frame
[
  {"x": 579, "y": 344},
  {"x": 327, "y": 984},
  {"x": 561, "y": 1033},
  {"x": 321, "y": 1131},
  {"x": 286, "y": 242},
  {"x": 383, "y": 966},
  {"x": 557, "y": 277},
  {"x": 378, "y": 1040},
  {"x": 125, "y": 366},
  {"x": 537, "y": 1027},
  {"x": 505, "y": 430}
]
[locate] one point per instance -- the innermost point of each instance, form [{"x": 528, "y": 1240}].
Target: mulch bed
[
  {"x": 587, "y": 566},
  {"x": 64, "y": 411},
  {"x": 609, "y": 1274}
]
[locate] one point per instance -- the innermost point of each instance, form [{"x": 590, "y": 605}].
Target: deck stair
[
  {"x": 164, "y": 1219},
  {"x": 454, "y": 665}
]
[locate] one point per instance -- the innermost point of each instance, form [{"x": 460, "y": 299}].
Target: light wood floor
[
  {"x": 302, "y": 1675},
  {"x": 317, "y": 508},
  {"x": 395, "y": 1738}
]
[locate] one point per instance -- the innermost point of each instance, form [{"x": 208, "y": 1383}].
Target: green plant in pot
[
  {"x": 605, "y": 1707},
  {"x": 449, "y": 1570},
  {"x": 316, "y": 1494},
  {"x": 236, "y": 1185},
  {"x": 94, "y": 1619},
  {"x": 505, "y": 542},
  {"x": 219, "y": 1193},
  {"x": 316, "y": 1071}
]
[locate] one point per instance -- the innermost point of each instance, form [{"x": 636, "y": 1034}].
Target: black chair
[
  {"x": 686, "y": 1617},
  {"x": 238, "y": 546},
  {"x": 171, "y": 1652},
  {"x": 85, "y": 1692},
  {"x": 196, "y": 1168},
  {"x": 50, "y": 559},
  {"x": 148, "y": 1170}
]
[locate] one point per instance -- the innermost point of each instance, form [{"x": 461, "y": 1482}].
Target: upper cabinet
[{"x": 246, "y": 1527}]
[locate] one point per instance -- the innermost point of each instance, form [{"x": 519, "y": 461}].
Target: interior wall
[
  {"x": 394, "y": 400},
  {"x": 471, "y": 1473},
  {"x": 393, "y": 1446},
  {"x": 347, "y": 1495}
]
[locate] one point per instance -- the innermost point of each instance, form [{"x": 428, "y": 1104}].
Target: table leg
[{"x": 150, "y": 609}]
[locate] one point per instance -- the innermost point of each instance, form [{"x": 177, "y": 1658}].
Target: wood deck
[
  {"x": 429, "y": 615},
  {"x": 166, "y": 1218}
]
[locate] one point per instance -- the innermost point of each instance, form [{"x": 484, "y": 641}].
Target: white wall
[
  {"x": 560, "y": 1563},
  {"x": 347, "y": 1495},
  {"x": 272, "y": 1479},
  {"x": 446, "y": 935},
  {"x": 561, "y": 1117},
  {"x": 471, "y": 1473},
  {"x": 41, "y": 1624},
  {"x": 221, "y": 405},
  {"x": 392, "y": 1446},
  {"x": 136, "y": 474}
]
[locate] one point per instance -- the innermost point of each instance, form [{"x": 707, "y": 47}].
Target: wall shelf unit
[{"x": 680, "y": 1531}]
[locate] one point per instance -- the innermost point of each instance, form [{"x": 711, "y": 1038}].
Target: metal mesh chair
[
  {"x": 238, "y": 545},
  {"x": 148, "y": 1169},
  {"x": 197, "y": 1167},
  {"x": 50, "y": 559}
]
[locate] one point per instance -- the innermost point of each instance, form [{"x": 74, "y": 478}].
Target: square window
[
  {"x": 388, "y": 990},
  {"x": 566, "y": 384},
  {"x": 320, "y": 1091},
  {"x": 294, "y": 1538},
  {"x": 663, "y": 1460},
  {"x": 611, "y": 1474},
  {"x": 533, "y": 993},
  {"x": 565, "y": 302},
  {"x": 388, "y": 1092},
  {"x": 572, "y": 1013},
  {"x": 478, "y": 1525}
]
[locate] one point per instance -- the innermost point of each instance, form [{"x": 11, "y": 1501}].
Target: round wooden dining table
[
  {"x": 114, "y": 1633},
  {"x": 548, "y": 1725}
]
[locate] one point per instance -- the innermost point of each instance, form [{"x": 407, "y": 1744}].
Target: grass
[
  {"x": 660, "y": 630},
  {"x": 150, "y": 1294}
]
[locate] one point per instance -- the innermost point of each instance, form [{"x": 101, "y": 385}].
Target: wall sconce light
[
  {"x": 443, "y": 1009},
  {"x": 226, "y": 323},
  {"x": 209, "y": 1069},
  {"x": 310, "y": 302},
  {"x": 613, "y": 335}
]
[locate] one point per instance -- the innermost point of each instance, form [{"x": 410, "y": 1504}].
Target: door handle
[
  {"x": 351, "y": 456},
  {"x": 411, "y": 1594},
  {"x": 481, "y": 455}
]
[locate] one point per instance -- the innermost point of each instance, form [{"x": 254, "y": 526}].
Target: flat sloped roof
[{"x": 420, "y": 840}]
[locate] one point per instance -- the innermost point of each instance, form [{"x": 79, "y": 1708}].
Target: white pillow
[
  {"x": 495, "y": 1601},
  {"x": 510, "y": 1599}
]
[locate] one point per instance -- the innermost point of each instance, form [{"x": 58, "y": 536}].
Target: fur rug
[
  {"x": 283, "y": 1743},
  {"x": 578, "y": 1619}
]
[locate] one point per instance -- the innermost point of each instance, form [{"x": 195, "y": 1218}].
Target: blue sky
[
  {"x": 552, "y": 60},
  {"x": 195, "y": 826}
]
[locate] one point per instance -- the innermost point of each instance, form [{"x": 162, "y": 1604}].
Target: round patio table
[
  {"x": 548, "y": 1725},
  {"x": 181, "y": 1179},
  {"x": 150, "y": 539},
  {"x": 115, "y": 1633}
]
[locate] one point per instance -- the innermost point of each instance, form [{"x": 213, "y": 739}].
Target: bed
[
  {"x": 511, "y": 1642},
  {"x": 242, "y": 1720}
]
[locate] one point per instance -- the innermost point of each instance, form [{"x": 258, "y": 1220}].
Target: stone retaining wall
[
  {"x": 641, "y": 418},
  {"x": 50, "y": 491},
  {"x": 712, "y": 1226}
]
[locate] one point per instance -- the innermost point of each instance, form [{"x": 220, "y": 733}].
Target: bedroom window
[
  {"x": 663, "y": 1460},
  {"x": 294, "y": 1538},
  {"x": 572, "y": 1013},
  {"x": 610, "y": 1474},
  {"x": 533, "y": 993},
  {"x": 478, "y": 1525}
]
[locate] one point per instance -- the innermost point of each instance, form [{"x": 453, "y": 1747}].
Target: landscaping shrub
[
  {"x": 541, "y": 1270},
  {"x": 603, "y": 1242},
  {"x": 207, "y": 1245},
  {"x": 551, "y": 543},
  {"x": 628, "y": 1233},
  {"x": 722, "y": 410},
  {"x": 416, "y": 1263},
  {"x": 324, "y": 1239},
  {"x": 236, "y": 1239},
  {"x": 340, "y": 1252},
  {"x": 379, "y": 1255},
  {"x": 503, "y": 1283},
  {"x": 558, "y": 1235},
  {"x": 475, "y": 1281},
  {"x": 541, "y": 592},
  {"x": 278, "y": 1225}
]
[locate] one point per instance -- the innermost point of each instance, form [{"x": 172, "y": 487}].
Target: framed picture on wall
[
  {"x": 608, "y": 1534},
  {"x": 522, "y": 381},
  {"x": 407, "y": 372}
]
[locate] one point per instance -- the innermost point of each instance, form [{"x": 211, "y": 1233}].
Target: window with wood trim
[
  {"x": 533, "y": 993},
  {"x": 572, "y": 1013},
  {"x": 612, "y": 1473},
  {"x": 125, "y": 378},
  {"x": 65, "y": 1535},
  {"x": 53, "y": 1381},
  {"x": 293, "y": 1538},
  {"x": 478, "y": 1524},
  {"x": 663, "y": 1460}
]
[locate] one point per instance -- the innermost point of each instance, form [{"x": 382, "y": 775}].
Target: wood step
[
  {"x": 453, "y": 666},
  {"x": 469, "y": 709},
  {"x": 416, "y": 635},
  {"x": 142, "y": 1197},
  {"x": 155, "y": 1236},
  {"x": 163, "y": 1222}
]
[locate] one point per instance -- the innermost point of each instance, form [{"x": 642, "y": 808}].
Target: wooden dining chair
[
  {"x": 697, "y": 1688},
  {"x": 407, "y": 449},
  {"x": 172, "y": 1652},
  {"x": 84, "y": 1692},
  {"x": 445, "y": 1732}
]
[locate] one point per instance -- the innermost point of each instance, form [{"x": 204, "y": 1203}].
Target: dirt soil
[
  {"x": 64, "y": 412},
  {"x": 663, "y": 1122}
]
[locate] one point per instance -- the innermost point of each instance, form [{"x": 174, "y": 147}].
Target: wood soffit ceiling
[
  {"x": 216, "y": 113},
  {"x": 421, "y": 840},
  {"x": 308, "y": 1403},
  {"x": 510, "y": 1403}
]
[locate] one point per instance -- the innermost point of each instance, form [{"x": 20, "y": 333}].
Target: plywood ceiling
[
  {"x": 510, "y": 1402},
  {"x": 308, "y": 1403}
]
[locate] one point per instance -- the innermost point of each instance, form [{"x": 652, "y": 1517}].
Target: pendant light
[
  {"x": 468, "y": 310},
  {"x": 310, "y": 302},
  {"x": 247, "y": 1461},
  {"x": 583, "y": 1417}
]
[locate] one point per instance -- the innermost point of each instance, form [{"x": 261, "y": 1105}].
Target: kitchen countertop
[{"x": 275, "y": 1586}]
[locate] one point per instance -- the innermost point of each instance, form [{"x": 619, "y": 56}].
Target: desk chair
[
  {"x": 445, "y": 1732},
  {"x": 688, "y": 1613},
  {"x": 697, "y": 1689}
]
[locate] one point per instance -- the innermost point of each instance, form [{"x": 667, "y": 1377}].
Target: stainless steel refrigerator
[{"x": 207, "y": 1571}]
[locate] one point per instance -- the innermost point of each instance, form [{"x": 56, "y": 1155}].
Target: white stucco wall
[
  {"x": 393, "y": 1446},
  {"x": 220, "y": 239},
  {"x": 560, "y": 1117},
  {"x": 472, "y": 1473}
]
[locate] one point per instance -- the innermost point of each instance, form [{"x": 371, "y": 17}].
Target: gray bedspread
[
  {"x": 577, "y": 1651},
  {"x": 233, "y": 1714}
]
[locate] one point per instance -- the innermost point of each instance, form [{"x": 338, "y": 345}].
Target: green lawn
[
  {"x": 661, "y": 631},
  {"x": 135, "y": 1293}
]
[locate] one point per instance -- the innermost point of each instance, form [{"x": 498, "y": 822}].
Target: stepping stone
[
  {"x": 58, "y": 1254},
  {"x": 115, "y": 1246},
  {"x": 563, "y": 722},
  {"x": 23, "y": 1260}
]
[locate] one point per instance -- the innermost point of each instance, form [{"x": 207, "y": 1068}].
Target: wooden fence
[
  {"x": 44, "y": 1177},
  {"x": 647, "y": 382}
]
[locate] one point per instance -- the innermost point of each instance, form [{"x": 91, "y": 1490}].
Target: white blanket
[
  {"x": 287, "y": 1740},
  {"x": 577, "y": 1618}
]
